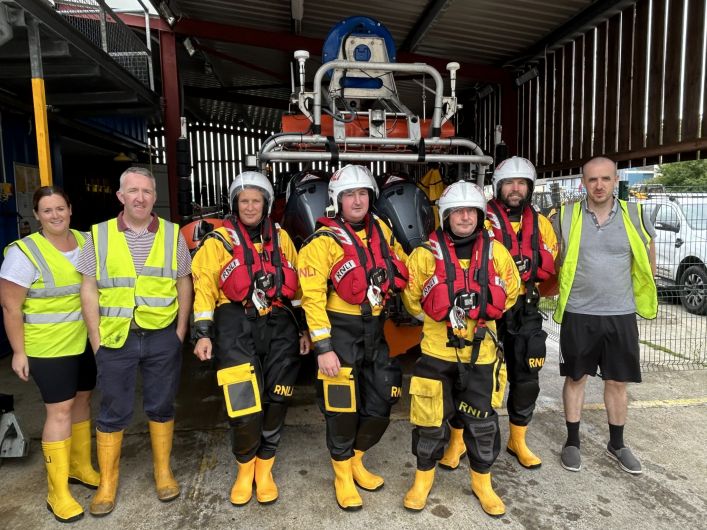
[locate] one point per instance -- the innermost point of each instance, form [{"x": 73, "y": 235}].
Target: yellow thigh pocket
[
  {"x": 500, "y": 377},
  {"x": 339, "y": 391},
  {"x": 427, "y": 402},
  {"x": 240, "y": 390}
]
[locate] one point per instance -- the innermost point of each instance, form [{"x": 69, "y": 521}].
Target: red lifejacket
[
  {"x": 238, "y": 276},
  {"x": 362, "y": 264},
  {"x": 534, "y": 261},
  {"x": 480, "y": 284}
]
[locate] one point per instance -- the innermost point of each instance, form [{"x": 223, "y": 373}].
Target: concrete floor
[{"x": 667, "y": 427}]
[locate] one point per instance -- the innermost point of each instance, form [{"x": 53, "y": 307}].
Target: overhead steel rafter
[
  {"x": 433, "y": 11},
  {"x": 287, "y": 42},
  {"x": 584, "y": 21}
]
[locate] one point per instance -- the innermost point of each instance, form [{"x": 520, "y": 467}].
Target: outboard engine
[
  {"x": 408, "y": 210},
  {"x": 307, "y": 198}
]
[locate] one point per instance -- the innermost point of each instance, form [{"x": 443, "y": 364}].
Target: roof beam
[
  {"x": 433, "y": 11},
  {"x": 51, "y": 70},
  {"x": 276, "y": 40},
  {"x": 87, "y": 99},
  {"x": 584, "y": 21},
  {"x": 225, "y": 94}
]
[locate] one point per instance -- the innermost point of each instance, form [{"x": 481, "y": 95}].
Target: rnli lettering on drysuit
[
  {"x": 455, "y": 294},
  {"x": 257, "y": 276},
  {"x": 366, "y": 272}
]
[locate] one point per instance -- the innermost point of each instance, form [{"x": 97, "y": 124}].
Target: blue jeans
[{"x": 158, "y": 356}]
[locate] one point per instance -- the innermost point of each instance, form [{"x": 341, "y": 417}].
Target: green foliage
[{"x": 692, "y": 173}]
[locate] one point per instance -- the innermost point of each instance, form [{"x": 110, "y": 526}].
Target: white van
[{"x": 680, "y": 220}]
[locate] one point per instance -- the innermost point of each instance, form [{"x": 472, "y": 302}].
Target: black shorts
[
  {"x": 59, "y": 378},
  {"x": 607, "y": 342}
]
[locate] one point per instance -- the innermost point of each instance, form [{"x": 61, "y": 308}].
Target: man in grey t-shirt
[{"x": 608, "y": 263}]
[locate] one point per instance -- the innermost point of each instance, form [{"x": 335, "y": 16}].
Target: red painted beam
[
  {"x": 287, "y": 42},
  {"x": 171, "y": 117}
]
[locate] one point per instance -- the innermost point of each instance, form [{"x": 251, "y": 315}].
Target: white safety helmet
[
  {"x": 515, "y": 167},
  {"x": 462, "y": 194},
  {"x": 252, "y": 179},
  {"x": 351, "y": 177}
]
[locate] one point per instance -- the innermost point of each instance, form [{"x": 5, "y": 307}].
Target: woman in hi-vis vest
[{"x": 39, "y": 286}]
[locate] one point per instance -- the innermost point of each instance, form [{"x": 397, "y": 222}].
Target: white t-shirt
[{"x": 17, "y": 267}]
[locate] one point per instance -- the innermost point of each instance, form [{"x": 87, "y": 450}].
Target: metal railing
[
  {"x": 99, "y": 23},
  {"x": 677, "y": 338}
]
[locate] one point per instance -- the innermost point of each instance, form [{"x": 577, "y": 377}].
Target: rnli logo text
[
  {"x": 229, "y": 269},
  {"x": 346, "y": 267},
  {"x": 396, "y": 392},
  {"x": 429, "y": 285},
  {"x": 283, "y": 390},
  {"x": 536, "y": 362},
  {"x": 471, "y": 411}
]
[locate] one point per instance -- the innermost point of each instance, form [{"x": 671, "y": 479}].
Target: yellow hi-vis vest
[
  {"x": 53, "y": 325},
  {"x": 645, "y": 292},
  {"x": 150, "y": 298}
]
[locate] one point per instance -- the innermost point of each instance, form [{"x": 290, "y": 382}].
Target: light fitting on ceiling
[
  {"x": 166, "y": 13},
  {"x": 527, "y": 76},
  {"x": 189, "y": 45},
  {"x": 297, "y": 13}
]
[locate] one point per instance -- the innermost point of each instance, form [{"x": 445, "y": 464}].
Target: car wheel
[{"x": 694, "y": 289}]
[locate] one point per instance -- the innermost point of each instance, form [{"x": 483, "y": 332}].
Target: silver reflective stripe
[
  {"x": 53, "y": 318},
  {"x": 105, "y": 283},
  {"x": 119, "y": 312},
  {"x": 102, "y": 246},
  {"x": 54, "y": 291},
  {"x": 154, "y": 301},
  {"x": 47, "y": 276},
  {"x": 632, "y": 208},
  {"x": 320, "y": 332},
  {"x": 204, "y": 315},
  {"x": 566, "y": 225},
  {"x": 166, "y": 270},
  {"x": 156, "y": 272}
]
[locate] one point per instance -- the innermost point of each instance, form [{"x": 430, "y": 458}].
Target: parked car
[{"x": 680, "y": 221}]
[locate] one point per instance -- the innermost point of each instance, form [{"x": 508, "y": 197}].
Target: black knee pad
[
  {"x": 341, "y": 433},
  {"x": 522, "y": 398},
  {"x": 483, "y": 441},
  {"x": 386, "y": 379},
  {"x": 245, "y": 436},
  {"x": 370, "y": 431},
  {"x": 428, "y": 445}
]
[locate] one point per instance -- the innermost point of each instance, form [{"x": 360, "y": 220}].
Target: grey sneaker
[
  {"x": 570, "y": 458},
  {"x": 627, "y": 461}
]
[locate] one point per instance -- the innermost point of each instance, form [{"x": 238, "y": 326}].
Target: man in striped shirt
[{"x": 136, "y": 297}]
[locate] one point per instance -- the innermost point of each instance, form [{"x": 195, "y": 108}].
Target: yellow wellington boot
[
  {"x": 516, "y": 447},
  {"x": 265, "y": 487},
  {"x": 80, "y": 468},
  {"x": 482, "y": 488},
  {"x": 108, "y": 445},
  {"x": 347, "y": 495},
  {"x": 59, "y": 499},
  {"x": 455, "y": 450},
  {"x": 416, "y": 497},
  {"x": 364, "y": 478},
  {"x": 161, "y": 435},
  {"x": 242, "y": 489}
]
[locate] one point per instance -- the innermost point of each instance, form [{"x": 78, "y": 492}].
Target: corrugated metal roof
[{"x": 484, "y": 32}]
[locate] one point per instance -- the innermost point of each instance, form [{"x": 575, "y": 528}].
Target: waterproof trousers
[
  {"x": 267, "y": 349},
  {"x": 451, "y": 393}
]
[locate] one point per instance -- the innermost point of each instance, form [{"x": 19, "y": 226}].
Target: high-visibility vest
[
  {"x": 150, "y": 298},
  {"x": 53, "y": 325},
  {"x": 645, "y": 292}
]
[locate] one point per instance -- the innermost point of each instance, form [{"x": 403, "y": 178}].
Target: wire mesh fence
[
  {"x": 677, "y": 338},
  {"x": 99, "y": 24}
]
